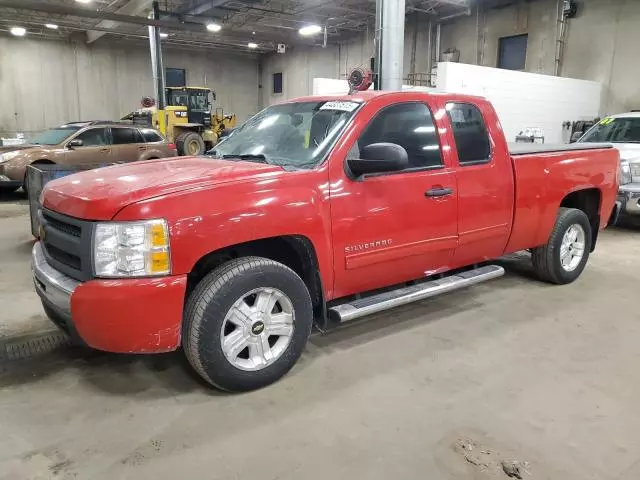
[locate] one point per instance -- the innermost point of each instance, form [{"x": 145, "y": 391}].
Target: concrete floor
[{"x": 445, "y": 389}]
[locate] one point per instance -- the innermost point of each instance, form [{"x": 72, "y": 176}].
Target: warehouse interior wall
[
  {"x": 47, "y": 83},
  {"x": 600, "y": 43},
  {"x": 300, "y": 65}
]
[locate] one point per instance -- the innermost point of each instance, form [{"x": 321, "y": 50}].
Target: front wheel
[
  {"x": 565, "y": 255},
  {"x": 247, "y": 323},
  {"x": 190, "y": 143}
]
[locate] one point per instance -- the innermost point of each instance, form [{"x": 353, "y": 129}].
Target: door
[
  {"x": 485, "y": 182},
  {"x": 95, "y": 149},
  {"x": 128, "y": 144},
  {"x": 394, "y": 227}
]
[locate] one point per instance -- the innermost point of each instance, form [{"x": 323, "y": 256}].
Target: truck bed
[
  {"x": 516, "y": 149},
  {"x": 545, "y": 174}
]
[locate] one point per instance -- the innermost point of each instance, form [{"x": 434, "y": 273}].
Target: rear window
[
  {"x": 151, "y": 136},
  {"x": 470, "y": 133}
]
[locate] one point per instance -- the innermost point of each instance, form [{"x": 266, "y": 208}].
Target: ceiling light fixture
[
  {"x": 83, "y": 1},
  {"x": 18, "y": 31},
  {"x": 52, "y": 26},
  {"x": 310, "y": 30},
  {"x": 163, "y": 35},
  {"x": 252, "y": 45},
  {"x": 214, "y": 27}
]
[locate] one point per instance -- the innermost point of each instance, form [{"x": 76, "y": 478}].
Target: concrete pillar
[{"x": 392, "y": 43}]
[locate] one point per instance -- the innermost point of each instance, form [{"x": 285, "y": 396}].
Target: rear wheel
[
  {"x": 190, "y": 143},
  {"x": 564, "y": 257},
  {"x": 246, "y": 323}
]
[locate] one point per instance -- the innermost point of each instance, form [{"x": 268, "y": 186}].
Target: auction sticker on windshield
[{"x": 341, "y": 106}]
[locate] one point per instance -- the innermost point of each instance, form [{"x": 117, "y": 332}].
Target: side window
[
  {"x": 93, "y": 137},
  {"x": 126, "y": 135},
  {"x": 409, "y": 125},
  {"x": 151, "y": 136},
  {"x": 470, "y": 133}
]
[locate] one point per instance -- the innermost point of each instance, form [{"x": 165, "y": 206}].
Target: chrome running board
[{"x": 402, "y": 296}]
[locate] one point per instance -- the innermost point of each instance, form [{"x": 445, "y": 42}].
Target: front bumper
[
  {"x": 6, "y": 182},
  {"x": 629, "y": 196},
  {"x": 123, "y": 316},
  {"x": 54, "y": 288}
]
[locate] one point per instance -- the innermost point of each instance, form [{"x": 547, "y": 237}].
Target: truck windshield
[
  {"x": 614, "y": 130},
  {"x": 298, "y": 134},
  {"x": 53, "y": 136}
]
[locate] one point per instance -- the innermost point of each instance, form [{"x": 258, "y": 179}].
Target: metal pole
[
  {"x": 392, "y": 35},
  {"x": 437, "y": 44},
  {"x": 157, "y": 64},
  {"x": 377, "y": 62},
  {"x": 562, "y": 24}
]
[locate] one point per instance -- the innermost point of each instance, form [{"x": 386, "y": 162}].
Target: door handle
[
  {"x": 103, "y": 150},
  {"x": 438, "y": 192},
  {"x": 142, "y": 147}
]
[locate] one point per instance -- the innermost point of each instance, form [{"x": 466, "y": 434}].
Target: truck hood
[
  {"x": 628, "y": 151},
  {"x": 14, "y": 148},
  {"x": 100, "y": 194}
]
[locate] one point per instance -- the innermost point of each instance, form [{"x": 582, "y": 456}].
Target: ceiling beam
[
  {"x": 204, "y": 7},
  {"x": 133, "y": 7},
  {"x": 35, "y": 6}
]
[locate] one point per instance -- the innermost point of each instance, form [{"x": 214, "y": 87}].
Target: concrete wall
[
  {"x": 301, "y": 65},
  {"x": 601, "y": 43},
  {"x": 45, "y": 83}
]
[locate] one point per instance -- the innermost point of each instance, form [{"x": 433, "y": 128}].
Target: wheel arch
[
  {"x": 295, "y": 251},
  {"x": 589, "y": 201}
]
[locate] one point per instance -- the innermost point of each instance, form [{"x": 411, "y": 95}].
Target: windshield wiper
[{"x": 248, "y": 156}]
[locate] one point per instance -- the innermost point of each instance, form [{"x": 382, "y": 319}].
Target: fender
[{"x": 207, "y": 219}]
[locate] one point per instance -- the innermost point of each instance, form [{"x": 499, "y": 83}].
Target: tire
[
  {"x": 7, "y": 190},
  {"x": 211, "y": 307},
  {"x": 25, "y": 186},
  {"x": 547, "y": 262},
  {"x": 190, "y": 143}
]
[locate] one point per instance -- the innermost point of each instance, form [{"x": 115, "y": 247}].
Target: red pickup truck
[{"x": 316, "y": 211}]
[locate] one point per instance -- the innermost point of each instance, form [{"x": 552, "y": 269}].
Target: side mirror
[
  {"x": 379, "y": 158},
  {"x": 76, "y": 142}
]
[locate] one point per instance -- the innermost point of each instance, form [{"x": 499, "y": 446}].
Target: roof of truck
[
  {"x": 371, "y": 94},
  {"x": 634, "y": 114}
]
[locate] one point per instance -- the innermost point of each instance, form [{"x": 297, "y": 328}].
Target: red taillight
[{"x": 172, "y": 146}]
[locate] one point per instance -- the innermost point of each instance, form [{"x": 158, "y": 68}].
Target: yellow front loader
[{"x": 188, "y": 120}]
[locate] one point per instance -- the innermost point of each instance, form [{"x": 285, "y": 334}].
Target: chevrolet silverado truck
[
  {"x": 316, "y": 211},
  {"x": 623, "y": 131}
]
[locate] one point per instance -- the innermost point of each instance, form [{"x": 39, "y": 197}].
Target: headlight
[
  {"x": 131, "y": 249},
  {"x": 625, "y": 173},
  {"x": 5, "y": 157},
  {"x": 634, "y": 167}
]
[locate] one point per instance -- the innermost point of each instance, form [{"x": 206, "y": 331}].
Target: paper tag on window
[
  {"x": 457, "y": 116},
  {"x": 342, "y": 106}
]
